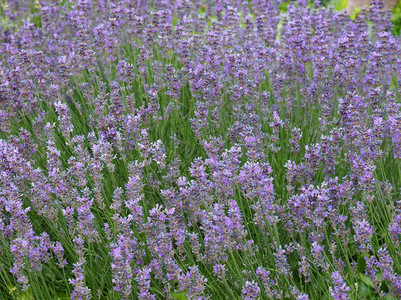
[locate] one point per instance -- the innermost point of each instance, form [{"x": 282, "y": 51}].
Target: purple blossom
[
  {"x": 340, "y": 289},
  {"x": 194, "y": 282},
  {"x": 282, "y": 265},
  {"x": 80, "y": 291},
  {"x": 363, "y": 234},
  {"x": 122, "y": 253},
  {"x": 250, "y": 290},
  {"x": 143, "y": 278}
]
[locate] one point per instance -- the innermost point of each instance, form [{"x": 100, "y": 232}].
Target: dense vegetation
[{"x": 199, "y": 150}]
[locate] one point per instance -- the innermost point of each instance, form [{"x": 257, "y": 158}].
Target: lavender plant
[{"x": 199, "y": 150}]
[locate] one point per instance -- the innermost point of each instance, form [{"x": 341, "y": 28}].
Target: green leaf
[
  {"x": 48, "y": 273},
  {"x": 365, "y": 291},
  {"x": 361, "y": 264},
  {"x": 22, "y": 296},
  {"x": 203, "y": 10},
  {"x": 365, "y": 279},
  {"x": 356, "y": 11},
  {"x": 283, "y": 6},
  {"x": 389, "y": 297},
  {"x": 180, "y": 296},
  {"x": 340, "y": 4},
  {"x": 396, "y": 19},
  {"x": 62, "y": 297}
]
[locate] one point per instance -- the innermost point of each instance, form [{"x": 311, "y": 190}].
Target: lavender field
[{"x": 180, "y": 149}]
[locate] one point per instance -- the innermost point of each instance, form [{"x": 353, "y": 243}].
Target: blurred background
[{"x": 353, "y": 7}]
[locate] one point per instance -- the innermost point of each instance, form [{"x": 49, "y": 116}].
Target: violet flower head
[
  {"x": 339, "y": 291},
  {"x": 143, "y": 279},
  {"x": 194, "y": 282},
  {"x": 80, "y": 292},
  {"x": 363, "y": 235},
  {"x": 282, "y": 265},
  {"x": 250, "y": 291}
]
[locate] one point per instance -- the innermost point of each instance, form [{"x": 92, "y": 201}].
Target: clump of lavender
[{"x": 198, "y": 149}]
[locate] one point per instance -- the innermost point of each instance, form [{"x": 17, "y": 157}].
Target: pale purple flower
[
  {"x": 250, "y": 291},
  {"x": 80, "y": 291},
  {"x": 339, "y": 291}
]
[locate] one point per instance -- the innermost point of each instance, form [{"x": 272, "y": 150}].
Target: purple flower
[
  {"x": 282, "y": 265},
  {"x": 194, "y": 283},
  {"x": 122, "y": 253},
  {"x": 143, "y": 279},
  {"x": 339, "y": 291},
  {"x": 58, "y": 250},
  {"x": 220, "y": 271},
  {"x": 385, "y": 263},
  {"x": 80, "y": 291},
  {"x": 64, "y": 118},
  {"x": 318, "y": 255},
  {"x": 294, "y": 141},
  {"x": 363, "y": 235},
  {"x": 250, "y": 290},
  {"x": 395, "y": 230}
]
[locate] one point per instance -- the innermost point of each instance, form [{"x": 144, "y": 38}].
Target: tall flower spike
[{"x": 339, "y": 291}]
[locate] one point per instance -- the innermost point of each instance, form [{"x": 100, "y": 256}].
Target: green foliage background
[
  {"x": 341, "y": 4},
  {"x": 397, "y": 19}
]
